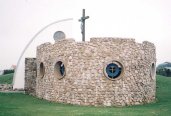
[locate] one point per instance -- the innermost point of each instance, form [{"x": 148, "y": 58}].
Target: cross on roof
[{"x": 82, "y": 20}]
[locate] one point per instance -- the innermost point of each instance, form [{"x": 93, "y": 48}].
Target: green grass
[
  {"x": 6, "y": 79},
  {"x": 18, "y": 104}
]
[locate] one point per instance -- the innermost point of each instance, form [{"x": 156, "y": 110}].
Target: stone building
[{"x": 101, "y": 72}]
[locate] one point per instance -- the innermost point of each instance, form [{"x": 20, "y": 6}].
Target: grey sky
[{"x": 140, "y": 19}]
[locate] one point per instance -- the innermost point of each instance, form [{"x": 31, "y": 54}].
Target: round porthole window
[
  {"x": 113, "y": 70},
  {"x": 59, "y": 70},
  {"x": 42, "y": 70}
]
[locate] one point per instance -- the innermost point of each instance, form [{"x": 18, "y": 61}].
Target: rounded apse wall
[{"x": 104, "y": 71}]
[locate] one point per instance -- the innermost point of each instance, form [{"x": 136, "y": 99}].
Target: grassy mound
[
  {"x": 6, "y": 79},
  {"x": 17, "y": 104}
]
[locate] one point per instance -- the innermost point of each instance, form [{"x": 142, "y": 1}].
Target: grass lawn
[
  {"x": 6, "y": 79},
  {"x": 18, "y": 104}
]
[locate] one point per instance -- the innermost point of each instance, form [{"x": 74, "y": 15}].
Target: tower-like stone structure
[{"x": 103, "y": 71}]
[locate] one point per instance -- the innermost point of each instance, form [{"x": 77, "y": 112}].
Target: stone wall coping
[{"x": 94, "y": 40}]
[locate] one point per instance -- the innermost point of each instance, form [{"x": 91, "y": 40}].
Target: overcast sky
[{"x": 143, "y": 20}]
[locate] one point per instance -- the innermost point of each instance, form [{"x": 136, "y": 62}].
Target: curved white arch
[{"x": 18, "y": 79}]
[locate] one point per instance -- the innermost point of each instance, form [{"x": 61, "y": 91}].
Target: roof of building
[
  {"x": 163, "y": 65},
  {"x": 168, "y": 68}
]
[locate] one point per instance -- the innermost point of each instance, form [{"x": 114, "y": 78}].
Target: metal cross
[
  {"x": 82, "y": 20},
  {"x": 112, "y": 68}
]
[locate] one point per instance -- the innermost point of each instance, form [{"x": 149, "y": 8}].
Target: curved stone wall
[{"x": 84, "y": 81}]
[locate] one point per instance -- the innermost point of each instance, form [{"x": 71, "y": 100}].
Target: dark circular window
[
  {"x": 59, "y": 70},
  {"x": 42, "y": 70},
  {"x": 113, "y": 70}
]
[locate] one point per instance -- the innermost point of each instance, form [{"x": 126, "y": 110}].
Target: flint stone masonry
[
  {"x": 5, "y": 87},
  {"x": 85, "y": 82},
  {"x": 30, "y": 76}
]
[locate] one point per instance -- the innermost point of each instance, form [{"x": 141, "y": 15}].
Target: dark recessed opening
[
  {"x": 153, "y": 70},
  {"x": 42, "y": 70},
  {"x": 59, "y": 70}
]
